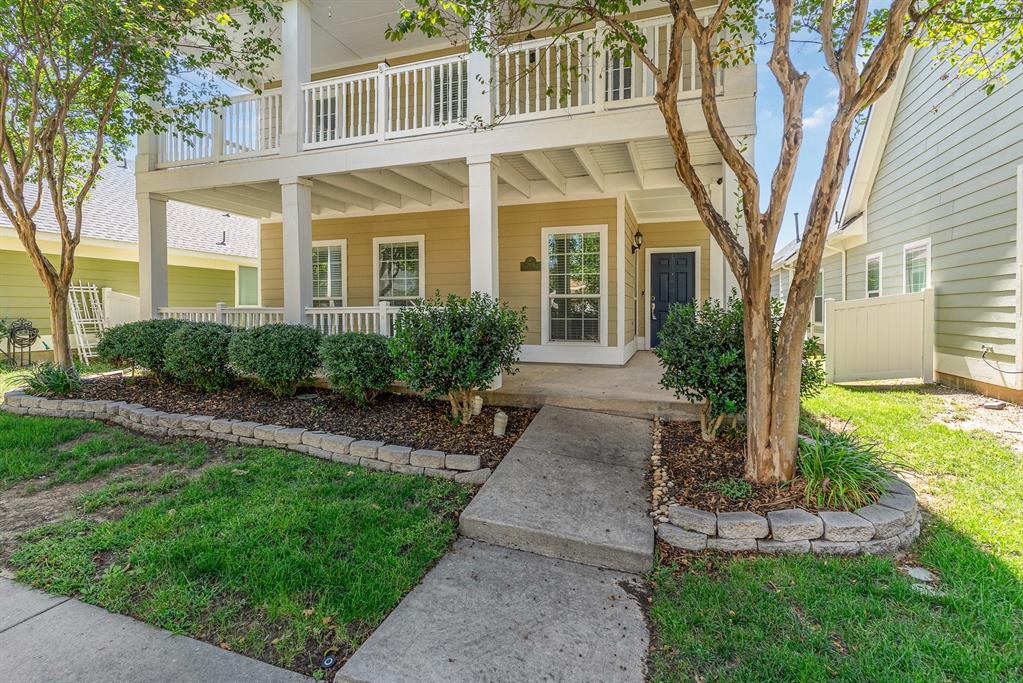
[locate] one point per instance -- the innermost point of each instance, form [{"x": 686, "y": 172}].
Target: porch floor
[{"x": 631, "y": 389}]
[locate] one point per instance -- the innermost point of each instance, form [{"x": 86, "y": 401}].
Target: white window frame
[
  {"x": 377, "y": 241},
  {"x": 545, "y": 303},
  {"x": 906, "y": 248},
  {"x": 879, "y": 257},
  {"x": 343, "y": 243}
]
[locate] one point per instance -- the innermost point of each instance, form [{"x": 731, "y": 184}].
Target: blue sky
[{"x": 818, "y": 110}]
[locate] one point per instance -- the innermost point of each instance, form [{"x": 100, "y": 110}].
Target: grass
[
  {"x": 271, "y": 554},
  {"x": 62, "y": 451},
  {"x": 859, "y": 619}
]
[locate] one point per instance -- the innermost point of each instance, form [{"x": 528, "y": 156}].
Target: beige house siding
[
  {"x": 674, "y": 234},
  {"x": 22, "y": 294},
  {"x": 948, "y": 173},
  {"x": 446, "y": 244}
]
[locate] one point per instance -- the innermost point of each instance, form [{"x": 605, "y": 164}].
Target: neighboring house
[
  {"x": 211, "y": 257},
  {"x": 936, "y": 201},
  {"x": 371, "y": 184}
]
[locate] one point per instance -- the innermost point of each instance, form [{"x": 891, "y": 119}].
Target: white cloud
[{"x": 824, "y": 113}]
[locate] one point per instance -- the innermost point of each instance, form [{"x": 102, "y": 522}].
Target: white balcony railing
[
  {"x": 529, "y": 80},
  {"x": 249, "y": 126},
  {"x": 377, "y": 319}
]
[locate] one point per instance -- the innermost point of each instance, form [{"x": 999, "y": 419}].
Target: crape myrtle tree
[
  {"x": 862, "y": 42},
  {"x": 79, "y": 79}
]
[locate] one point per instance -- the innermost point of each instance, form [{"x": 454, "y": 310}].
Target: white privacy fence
[
  {"x": 377, "y": 319},
  {"x": 889, "y": 337}
]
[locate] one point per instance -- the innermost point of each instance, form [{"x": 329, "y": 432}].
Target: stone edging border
[
  {"x": 889, "y": 525},
  {"x": 376, "y": 455}
]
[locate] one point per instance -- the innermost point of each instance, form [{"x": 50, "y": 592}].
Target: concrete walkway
[
  {"x": 49, "y": 638},
  {"x": 547, "y": 587}
]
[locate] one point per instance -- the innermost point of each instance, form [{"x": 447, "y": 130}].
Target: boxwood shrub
[
  {"x": 278, "y": 357},
  {"x": 139, "y": 343},
  {"x": 196, "y": 354},
  {"x": 456, "y": 347},
  {"x": 357, "y": 365}
]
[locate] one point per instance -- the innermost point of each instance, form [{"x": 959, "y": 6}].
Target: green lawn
[
  {"x": 859, "y": 619},
  {"x": 273, "y": 554}
]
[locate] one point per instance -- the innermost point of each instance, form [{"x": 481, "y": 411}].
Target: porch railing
[
  {"x": 249, "y": 126},
  {"x": 528, "y": 80},
  {"x": 377, "y": 319}
]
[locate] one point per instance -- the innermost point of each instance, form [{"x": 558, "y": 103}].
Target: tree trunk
[
  {"x": 59, "y": 327},
  {"x": 772, "y": 401}
]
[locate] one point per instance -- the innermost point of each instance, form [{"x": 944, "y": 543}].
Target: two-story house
[
  {"x": 375, "y": 183},
  {"x": 935, "y": 202}
]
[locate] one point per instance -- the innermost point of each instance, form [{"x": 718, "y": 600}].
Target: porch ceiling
[{"x": 642, "y": 168}]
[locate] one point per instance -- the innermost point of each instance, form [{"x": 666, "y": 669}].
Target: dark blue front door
[{"x": 672, "y": 280}]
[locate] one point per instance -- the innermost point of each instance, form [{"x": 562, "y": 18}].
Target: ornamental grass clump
[
  {"x": 278, "y": 357},
  {"x": 357, "y": 365},
  {"x": 141, "y": 344},
  {"x": 197, "y": 355},
  {"x": 53, "y": 379},
  {"x": 841, "y": 470},
  {"x": 701, "y": 348},
  {"x": 456, "y": 347}
]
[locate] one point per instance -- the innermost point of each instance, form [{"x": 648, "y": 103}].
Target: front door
[{"x": 672, "y": 280}]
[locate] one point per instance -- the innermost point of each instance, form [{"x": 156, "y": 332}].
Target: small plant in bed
[
  {"x": 842, "y": 471},
  {"x": 357, "y": 365},
  {"x": 457, "y": 346},
  {"x": 702, "y": 350},
  {"x": 278, "y": 357},
  {"x": 140, "y": 344},
  {"x": 196, "y": 355},
  {"x": 53, "y": 379}
]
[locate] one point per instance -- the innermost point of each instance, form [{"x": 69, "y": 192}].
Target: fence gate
[{"x": 888, "y": 337}]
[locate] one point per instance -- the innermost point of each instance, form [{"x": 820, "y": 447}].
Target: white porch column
[
  {"x": 718, "y": 265},
  {"x": 296, "y": 35},
  {"x": 296, "y": 212},
  {"x": 483, "y": 267},
  {"x": 152, "y": 210},
  {"x": 483, "y": 272},
  {"x": 479, "y": 101},
  {"x": 730, "y": 189}
]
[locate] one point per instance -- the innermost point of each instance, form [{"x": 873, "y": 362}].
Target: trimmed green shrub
[
  {"x": 357, "y": 365},
  {"x": 278, "y": 357},
  {"x": 196, "y": 354},
  {"x": 139, "y": 343},
  {"x": 842, "y": 471},
  {"x": 456, "y": 347},
  {"x": 53, "y": 379},
  {"x": 702, "y": 351}
]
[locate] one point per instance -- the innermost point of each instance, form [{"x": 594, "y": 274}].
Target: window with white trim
[
  {"x": 399, "y": 269},
  {"x": 573, "y": 286},
  {"x": 873, "y": 276},
  {"x": 818, "y": 300},
  {"x": 916, "y": 266},
  {"x": 328, "y": 273}
]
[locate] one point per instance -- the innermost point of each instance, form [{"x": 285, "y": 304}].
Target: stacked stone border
[
  {"x": 376, "y": 455},
  {"x": 889, "y": 525}
]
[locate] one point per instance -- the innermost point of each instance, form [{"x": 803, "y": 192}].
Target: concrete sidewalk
[{"x": 49, "y": 638}]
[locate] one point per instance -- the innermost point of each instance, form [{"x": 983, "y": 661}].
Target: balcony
[{"x": 530, "y": 80}]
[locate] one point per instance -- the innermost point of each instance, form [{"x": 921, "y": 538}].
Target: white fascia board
[{"x": 875, "y": 139}]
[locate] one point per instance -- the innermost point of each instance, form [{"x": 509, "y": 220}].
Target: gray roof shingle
[{"x": 110, "y": 213}]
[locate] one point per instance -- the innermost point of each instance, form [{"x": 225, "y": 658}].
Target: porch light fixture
[{"x": 637, "y": 241}]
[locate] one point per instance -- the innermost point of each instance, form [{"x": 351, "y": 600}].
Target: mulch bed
[
  {"x": 398, "y": 419},
  {"x": 699, "y": 470}
]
